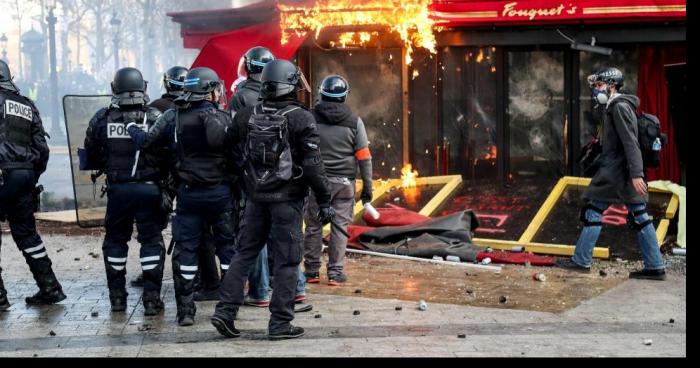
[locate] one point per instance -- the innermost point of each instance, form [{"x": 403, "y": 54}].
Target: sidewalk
[{"x": 614, "y": 323}]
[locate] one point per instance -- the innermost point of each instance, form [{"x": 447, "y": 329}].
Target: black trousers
[{"x": 279, "y": 225}]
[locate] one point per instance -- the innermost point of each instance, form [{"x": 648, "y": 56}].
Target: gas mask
[{"x": 601, "y": 97}]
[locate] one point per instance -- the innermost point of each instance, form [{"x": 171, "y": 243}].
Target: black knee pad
[
  {"x": 632, "y": 222},
  {"x": 585, "y": 221}
]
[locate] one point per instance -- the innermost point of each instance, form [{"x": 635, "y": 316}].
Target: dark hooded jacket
[
  {"x": 621, "y": 159},
  {"x": 247, "y": 94}
]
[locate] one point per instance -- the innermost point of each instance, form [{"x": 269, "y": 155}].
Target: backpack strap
[{"x": 286, "y": 110}]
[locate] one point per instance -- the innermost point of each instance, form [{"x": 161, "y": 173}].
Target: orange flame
[
  {"x": 408, "y": 176},
  {"x": 409, "y": 18}
]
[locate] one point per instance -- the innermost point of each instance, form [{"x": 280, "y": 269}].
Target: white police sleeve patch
[{"x": 17, "y": 109}]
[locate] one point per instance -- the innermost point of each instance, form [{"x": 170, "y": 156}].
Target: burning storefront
[{"x": 492, "y": 91}]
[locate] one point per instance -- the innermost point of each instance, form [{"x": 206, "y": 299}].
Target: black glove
[
  {"x": 366, "y": 195},
  {"x": 325, "y": 215}
]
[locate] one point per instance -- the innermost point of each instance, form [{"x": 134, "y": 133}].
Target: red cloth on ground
[
  {"x": 516, "y": 258},
  {"x": 355, "y": 231},
  {"x": 393, "y": 215}
]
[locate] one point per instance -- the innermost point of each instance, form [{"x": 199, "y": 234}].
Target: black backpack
[
  {"x": 651, "y": 140},
  {"x": 268, "y": 157}
]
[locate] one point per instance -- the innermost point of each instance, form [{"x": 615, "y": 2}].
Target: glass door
[{"x": 536, "y": 115}]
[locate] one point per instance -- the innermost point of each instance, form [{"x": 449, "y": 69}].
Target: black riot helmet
[
  {"x": 253, "y": 61},
  {"x": 129, "y": 88},
  {"x": 280, "y": 78},
  {"x": 174, "y": 80},
  {"x": 200, "y": 83},
  {"x": 6, "y": 77},
  {"x": 334, "y": 88},
  {"x": 610, "y": 76},
  {"x": 5, "y": 74}
]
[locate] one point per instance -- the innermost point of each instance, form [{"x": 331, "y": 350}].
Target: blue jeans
[
  {"x": 649, "y": 246},
  {"x": 259, "y": 278}
]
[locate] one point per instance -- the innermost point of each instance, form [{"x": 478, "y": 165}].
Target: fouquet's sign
[
  {"x": 465, "y": 13},
  {"x": 513, "y": 10}
]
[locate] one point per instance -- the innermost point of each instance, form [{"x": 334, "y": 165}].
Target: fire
[
  {"x": 409, "y": 18},
  {"x": 408, "y": 176}
]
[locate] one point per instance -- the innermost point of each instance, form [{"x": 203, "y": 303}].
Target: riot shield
[{"x": 90, "y": 205}]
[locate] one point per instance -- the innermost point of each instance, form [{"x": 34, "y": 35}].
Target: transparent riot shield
[{"x": 90, "y": 205}]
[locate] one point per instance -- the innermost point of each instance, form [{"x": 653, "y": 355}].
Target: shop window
[
  {"x": 469, "y": 111},
  {"x": 535, "y": 114}
]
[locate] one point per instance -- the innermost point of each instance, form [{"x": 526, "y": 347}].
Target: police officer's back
[
  {"x": 196, "y": 132},
  {"x": 24, "y": 155},
  {"x": 282, "y": 161},
  {"x": 251, "y": 66},
  {"x": 133, "y": 178}
]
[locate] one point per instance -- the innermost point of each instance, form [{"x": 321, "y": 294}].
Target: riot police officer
[
  {"x": 133, "y": 192},
  {"x": 23, "y": 158},
  {"x": 196, "y": 131},
  {"x": 250, "y": 67},
  {"x": 173, "y": 81},
  {"x": 282, "y": 159}
]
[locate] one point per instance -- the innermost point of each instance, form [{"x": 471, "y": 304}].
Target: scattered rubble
[
  {"x": 358, "y": 291},
  {"x": 462, "y": 336},
  {"x": 398, "y": 308},
  {"x": 648, "y": 342},
  {"x": 671, "y": 320},
  {"x": 422, "y": 305},
  {"x": 503, "y": 299},
  {"x": 602, "y": 273},
  {"x": 144, "y": 327},
  {"x": 539, "y": 277},
  {"x": 317, "y": 316},
  {"x": 95, "y": 314},
  {"x": 356, "y": 313},
  {"x": 76, "y": 259},
  {"x": 52, "y": 333}
]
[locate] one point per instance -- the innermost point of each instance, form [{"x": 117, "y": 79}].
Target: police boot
[
  {"x": 186, "y": 310},
  {"x": 152, "y": 303},
  {"x": 50, "y": 290},
  {"x": 117, "y": 297},
  {"x": 4, "y": 303}
]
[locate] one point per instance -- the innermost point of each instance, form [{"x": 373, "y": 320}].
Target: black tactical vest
[
  {"x": 124, "y": 162},
  {"x": 198, "y": 163},
  {"x": 16, "y": 124}
]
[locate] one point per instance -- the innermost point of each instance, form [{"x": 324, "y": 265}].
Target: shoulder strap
[{"x": 286, "y": 110}]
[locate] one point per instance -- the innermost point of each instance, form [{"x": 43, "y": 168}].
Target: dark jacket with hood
[
  {"x": 344, "y": 141},
  {"x": 621, "y": 160},
  {"x": 22, "y": 136},
  {"x": 247, "y": 94},
  {"x": 304, "y": 145}
]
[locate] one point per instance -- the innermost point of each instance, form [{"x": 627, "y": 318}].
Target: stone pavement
[{"x": 615, "y": 323}]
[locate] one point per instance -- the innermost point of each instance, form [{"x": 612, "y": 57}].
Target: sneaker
[
  {"x": 336, "y": 280},
  {"x": 42, "y": 297},
  {"x": 299, "y": 298},
  {"x": 658, "y": 275},
  {"x": 312, "y": 277},
  {"x": 225, "y": 327},
  {"x": 292, "y": 333},
  {"x": 570, "y": 265},
  {"x": 137, "y": 282},
  {"x": 262, "y": 303},
  {"x": 206, "y": 295}
]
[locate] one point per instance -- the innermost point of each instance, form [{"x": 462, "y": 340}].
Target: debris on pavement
[
  {"x": 422, "y": 305},
  {"x": 358, "y": 291},
  {"x": 603, "y": 273},
  {"x": 462, "y": 336},
  {"x": 144, "y": 327},
  {"x": 539, "y": 277},
  {"x": 503, "y": 299},
  {"x": 648, "y": 342},
  {"x": 398, "y": 308},
  {"x": 95, "y": 314},
  {"x": 356, "y": 313},
  {"x": 52, "y": 333},
  {"x": 317, "y": 316}
]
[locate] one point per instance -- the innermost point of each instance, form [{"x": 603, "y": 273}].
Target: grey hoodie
[
  {"x": 344, "y": 141},
  {"x": 621, "y": 160}
]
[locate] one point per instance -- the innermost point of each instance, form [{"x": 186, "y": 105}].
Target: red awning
[
  {"x": 223, "y": 52},
  {"x": 467, "y": 12}
]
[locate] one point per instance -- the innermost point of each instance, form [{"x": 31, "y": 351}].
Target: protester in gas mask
[{"x": 620, "y": 179}]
